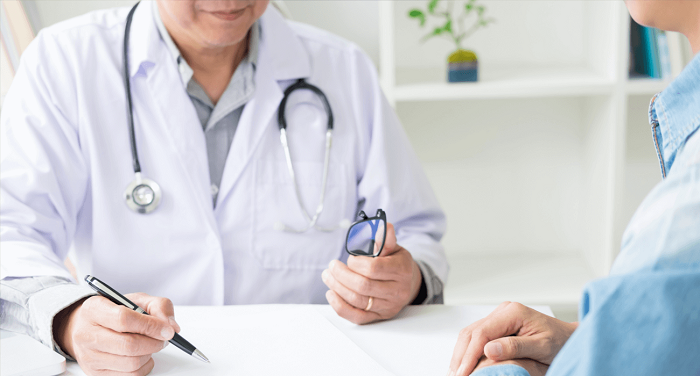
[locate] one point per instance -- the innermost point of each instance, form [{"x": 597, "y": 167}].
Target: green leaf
[
  {"x": 417, "y": 13},
  {"x": 437, "y": 31},
  {"x": 432, "y": 5},
  {"x": 469, "y": 7},
  {"x": 448, "y": 26}
]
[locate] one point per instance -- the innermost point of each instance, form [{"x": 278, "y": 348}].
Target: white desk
[{"x": 419, "y": 341}]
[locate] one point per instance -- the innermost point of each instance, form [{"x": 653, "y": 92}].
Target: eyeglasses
[{"x": 366, "y": 237}]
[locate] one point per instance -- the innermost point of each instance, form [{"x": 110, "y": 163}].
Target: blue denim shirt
[{"x": 644, "y": 319}]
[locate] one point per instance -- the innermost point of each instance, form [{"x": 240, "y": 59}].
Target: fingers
[
  {"x": 359, "y": 283},
  {"x": 396, "y": 267},
  {"x": 123, "y": 320},
  {"x": 499, "y": 324},
  {"x": 105, "y": 340},
  {"x": 144, "y": 370},
  {"x": 349, "y": 312},
  {"x": 111, "y": 362},
  {"x": 351, "y": 297},
  {"x": 466, "y": 354},
  {"x": 390, "y": 246},
  {"x": 156, "y": 306},
  {"x": 516, "y": 347},
  {"x": 460, "y": 348}
]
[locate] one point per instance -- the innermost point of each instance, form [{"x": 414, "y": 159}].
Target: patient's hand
[
  {"x": 533, "y": 367},
  {"x": 511, "y": 331}
]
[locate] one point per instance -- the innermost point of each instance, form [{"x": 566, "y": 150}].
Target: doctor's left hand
[{"x": 392, "y": 280}]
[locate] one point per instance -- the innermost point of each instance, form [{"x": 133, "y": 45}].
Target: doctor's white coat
[{"x": 66, "y": 161}]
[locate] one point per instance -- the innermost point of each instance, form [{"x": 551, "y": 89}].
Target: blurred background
[{"x": 539, "y": 165}]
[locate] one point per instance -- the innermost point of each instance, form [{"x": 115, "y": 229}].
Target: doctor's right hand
[{"x": 108, "y": 339}]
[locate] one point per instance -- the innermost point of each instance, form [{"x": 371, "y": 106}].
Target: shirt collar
[
  {"x": 676, "y": 111},
  {"x": 186, "y": 72}
]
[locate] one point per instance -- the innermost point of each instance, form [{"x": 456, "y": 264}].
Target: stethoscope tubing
[
  {"x": 127, "y": 84},
  {"x": 301, "y": 84}
]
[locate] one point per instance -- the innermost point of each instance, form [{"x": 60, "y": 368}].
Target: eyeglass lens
[{"x": 366, "y": 238}]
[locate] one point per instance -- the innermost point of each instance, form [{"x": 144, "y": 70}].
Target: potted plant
[{"x": 462, "y": 64}]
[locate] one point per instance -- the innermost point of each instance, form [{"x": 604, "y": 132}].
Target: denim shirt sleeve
[
  {"x": 644, "y": 319},
  {"x": 502, "y": 370}
]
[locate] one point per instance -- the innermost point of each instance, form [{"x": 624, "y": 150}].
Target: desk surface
[{"x": 419, "y": 341}]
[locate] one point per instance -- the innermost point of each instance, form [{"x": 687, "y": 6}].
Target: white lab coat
[{"x": 66, "y": 161}]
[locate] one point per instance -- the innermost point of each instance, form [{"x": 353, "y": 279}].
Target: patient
[{"x": 644, "y": 319}]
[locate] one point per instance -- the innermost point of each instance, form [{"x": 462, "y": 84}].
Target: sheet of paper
[
  {"x": 261, "y": 340},
  {"x": 419, "y": 340}
]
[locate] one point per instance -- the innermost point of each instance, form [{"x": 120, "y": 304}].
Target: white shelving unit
[{"x": 540, "y": 164}]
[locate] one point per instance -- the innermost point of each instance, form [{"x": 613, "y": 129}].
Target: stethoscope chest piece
[{"x": 142, "y": 195}]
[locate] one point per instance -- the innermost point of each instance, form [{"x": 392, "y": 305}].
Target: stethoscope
[
  {"x": 143, "y": 195},
  {"x": 311, "y": 221}
]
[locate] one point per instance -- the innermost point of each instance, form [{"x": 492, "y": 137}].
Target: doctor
[{"x": 212, "y": 213}]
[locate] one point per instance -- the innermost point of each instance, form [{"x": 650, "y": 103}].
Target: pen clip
[{"x": 111, "y": 294}]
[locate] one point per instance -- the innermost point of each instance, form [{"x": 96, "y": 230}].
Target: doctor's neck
[{"x": 212, "y": 37}]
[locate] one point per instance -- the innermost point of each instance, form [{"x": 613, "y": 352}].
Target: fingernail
[
  {"x": 165, "y": 344},
  {"x": 167, "y": 332},
  {"x": 324, "y": 275},
  {"x": 173, "y": 323},
  {"x": 495, "y": 349},
  {"x": 450, "y": 373},
  {"x": 330, "y": 264},
  {"x": 462, "y": 369}
]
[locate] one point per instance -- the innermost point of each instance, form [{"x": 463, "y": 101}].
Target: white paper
[
  {"x": 419, "y": 340},
  {"x": 262, "y": 340}
]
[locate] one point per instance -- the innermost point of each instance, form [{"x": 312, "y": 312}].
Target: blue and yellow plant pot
[{"x": 462, "y": 66}]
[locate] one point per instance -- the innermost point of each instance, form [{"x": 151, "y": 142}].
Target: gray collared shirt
[{"x": 219, "y": 121}]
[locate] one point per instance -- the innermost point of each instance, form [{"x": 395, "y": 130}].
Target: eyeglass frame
[{"x": 381, "y": 215}]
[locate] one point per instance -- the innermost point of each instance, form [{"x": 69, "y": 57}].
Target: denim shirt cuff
[{"x": 502, "y": 370}]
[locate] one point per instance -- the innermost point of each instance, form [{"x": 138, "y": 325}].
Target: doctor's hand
[
  {"x": 108, "y": 339},
  {"x": 392, "y": 280},
  {"x": 511, "y": 332}
]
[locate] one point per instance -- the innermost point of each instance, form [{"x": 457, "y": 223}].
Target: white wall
[{"x": 52, "y": 11}]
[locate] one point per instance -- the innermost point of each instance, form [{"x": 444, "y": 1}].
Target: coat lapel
[{"x": 172, "y": 108}]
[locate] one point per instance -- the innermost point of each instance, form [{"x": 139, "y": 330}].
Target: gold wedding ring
[{"x": 369, "y": 304}]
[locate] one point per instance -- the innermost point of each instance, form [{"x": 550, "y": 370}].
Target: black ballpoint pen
[{"x": 117, "y": 298}]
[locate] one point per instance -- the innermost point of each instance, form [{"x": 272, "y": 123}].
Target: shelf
[
  {"x": 548, "y": 279},
  {"x": 648, "y": 86},
  {"x": 430, "y": 84}
]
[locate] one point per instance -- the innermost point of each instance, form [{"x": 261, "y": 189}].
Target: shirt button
[{"x": 214, "y": 189}]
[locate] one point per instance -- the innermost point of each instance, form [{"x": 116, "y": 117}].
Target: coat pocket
[{"x": 276, "y": 203}]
